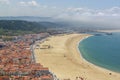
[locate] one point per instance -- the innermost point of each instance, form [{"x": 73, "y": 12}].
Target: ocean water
[{"x": 102, "y": 50}]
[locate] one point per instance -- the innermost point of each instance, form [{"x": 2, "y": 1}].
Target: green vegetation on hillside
[{"x": 18, "y": 27}]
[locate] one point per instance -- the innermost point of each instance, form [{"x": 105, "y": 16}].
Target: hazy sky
[
  {"x": 105, "y": 12},
  {"x": 60, "y": 8},
  {"x": 94, "y": 4}
]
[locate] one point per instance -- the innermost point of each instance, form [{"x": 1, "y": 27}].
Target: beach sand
[
  {"x": 108, "y": 31},
  {"x": 63, "y": 59}
]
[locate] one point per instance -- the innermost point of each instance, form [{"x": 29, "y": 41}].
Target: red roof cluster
[{"x": 16, "y": 62}]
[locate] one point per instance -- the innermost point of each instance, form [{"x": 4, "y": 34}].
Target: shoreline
[
  {"x": 90, "y": 62},
  {"x": 66, "y": 53}
]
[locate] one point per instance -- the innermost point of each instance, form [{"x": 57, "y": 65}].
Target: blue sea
[{"x": 102, "y": 50}]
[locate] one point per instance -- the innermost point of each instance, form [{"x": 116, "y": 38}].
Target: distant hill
[
  {"x": 16, "y": 27},
  {"x": 29, "y": 24},
  {"x": 20, "y": 25},
  {"x": 28, "y": 18}
]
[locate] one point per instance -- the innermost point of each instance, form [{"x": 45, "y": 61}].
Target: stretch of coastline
[
  {"x": 109, "y": 31},
  {"x": 61, "y": 55}
]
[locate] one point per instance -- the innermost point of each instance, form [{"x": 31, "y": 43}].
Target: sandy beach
[
  {"x": 109, "y": 31},
  {"x": 61, "y": 55}
]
